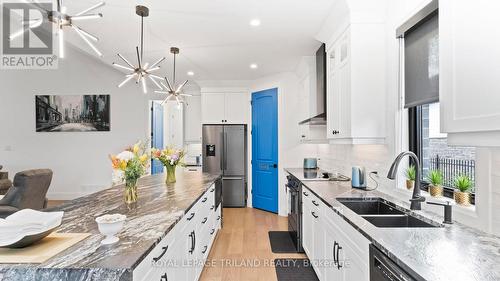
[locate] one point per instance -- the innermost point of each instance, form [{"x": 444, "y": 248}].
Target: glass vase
[
  {"x": 170, "y": 174},
  {"x": 130, "y": 194}
]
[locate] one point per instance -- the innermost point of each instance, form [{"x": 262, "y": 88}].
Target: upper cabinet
[
  {"x": 356, "y": 85},
  {"x": 469, "y": 45},
  {"x": 225, "y": 108}
]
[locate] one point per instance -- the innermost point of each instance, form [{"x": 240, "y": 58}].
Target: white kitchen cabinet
[
  {"x": 192, "y": 119},
  {"x": 469, "y": 45},
  {"x": 225, "y": 108},
  {"x": 213, "y": 108},
  {"x": 356, "y": 86},
  {"x": 181, "y": 254},
  {"x": 343, "y": 251}
]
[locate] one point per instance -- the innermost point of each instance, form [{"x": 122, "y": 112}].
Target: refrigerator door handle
[
  {"x": 222, "y": 152},
  {"x": 225, "y": 151}
]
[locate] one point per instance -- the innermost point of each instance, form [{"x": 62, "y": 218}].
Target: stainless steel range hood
[{"x": 320, "y": 117}]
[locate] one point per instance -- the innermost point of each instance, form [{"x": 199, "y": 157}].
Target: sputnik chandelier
[
  {"x": 142, "y": 70},
  {"x": 170, "y": 88},
  {"x": 61, "y": 19}
]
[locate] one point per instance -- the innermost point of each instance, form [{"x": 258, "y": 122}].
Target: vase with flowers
[
  {"x": 170, "y": 157},
  {"x": 131, "y": 164}
]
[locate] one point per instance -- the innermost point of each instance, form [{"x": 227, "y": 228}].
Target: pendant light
[
  {"x": 61, "y": 19},
  {"x": 170, "y": 89},
  {"x": 142, "y": 70}
]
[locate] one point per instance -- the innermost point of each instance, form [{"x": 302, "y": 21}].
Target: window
[{"x": 430, "y": 145}]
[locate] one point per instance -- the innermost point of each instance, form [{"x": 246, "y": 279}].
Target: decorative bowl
[
  {"x": 27, "y": 226},
  {"x": 109, "y": 225}
]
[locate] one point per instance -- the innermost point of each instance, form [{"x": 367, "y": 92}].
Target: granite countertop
[
  {"x": 158, "y": 209},
  {"x": 453, "y": 252}
]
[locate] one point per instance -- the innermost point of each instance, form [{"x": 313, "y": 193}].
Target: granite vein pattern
[
  {"x": 453, "y": 252},
  {"x": 158, "y": 209}
]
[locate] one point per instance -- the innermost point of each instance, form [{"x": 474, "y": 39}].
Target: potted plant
[
  {"x": 411, "y": 174},
  {"x": 132, "y": 164},
  {"x": 462, "y": 195},
  {"x": 170, "y": 157},
  {"x": 435, "y": 177}
]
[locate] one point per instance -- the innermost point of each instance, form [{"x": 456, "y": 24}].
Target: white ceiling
[{"x": 215, "y": 37}]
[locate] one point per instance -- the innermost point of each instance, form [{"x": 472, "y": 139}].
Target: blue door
[
  {"x": 156, "y": 134},
  {"x": 265, "y": 150}
]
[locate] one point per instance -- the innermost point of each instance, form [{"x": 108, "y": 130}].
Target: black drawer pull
[
  {"x": 305, "y": 193},
  {"x": 204, "y": 200},
  {"x": 162, "y": 254},
  {"x": 314, "y": 215},
  {"x": 315, "y": 203},
  {"x": 204, "y": 249},
  {"x": 218, "y": 218},
  {"x": 213, "y": 207},
  {"x": 164, "y": 277},
  {"x": 335, "y": 244},
  {"x": 339, "y": 266},
  {"x": 212, "y": 190},
  {"x": 191, "y": 217},
  {"x": 204, "y": 220},
  {"x": 212, "y": 231},
  {"x": 193, "y": 241}
]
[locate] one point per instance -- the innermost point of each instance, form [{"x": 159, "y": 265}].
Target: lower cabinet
[
  {"x": 337, "y": 251},
  {"x": 181, "y": 255}
]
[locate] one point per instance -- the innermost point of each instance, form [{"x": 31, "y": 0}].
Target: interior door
[
  {"x": 265, "y": 150},
  {"x": 156, "y": 134}
]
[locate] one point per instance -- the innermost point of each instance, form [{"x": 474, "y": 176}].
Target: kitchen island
[{"x": 150, "y": 223}]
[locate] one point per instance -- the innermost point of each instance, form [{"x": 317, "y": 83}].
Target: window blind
[{"x": 422, "y": 62}]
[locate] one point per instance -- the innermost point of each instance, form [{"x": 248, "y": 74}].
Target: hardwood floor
[
  {"x": 53, "y": 203},
  {"x": 242, "y": 250}
]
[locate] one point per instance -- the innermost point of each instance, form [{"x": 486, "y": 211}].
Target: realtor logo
[{"x": 27, "y": 38}]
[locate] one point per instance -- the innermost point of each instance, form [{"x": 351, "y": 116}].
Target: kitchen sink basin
[
  {"x": 371, "y": 206},
  {"x": 397, "y": 221},
  {"x": 382, "y": 213}
]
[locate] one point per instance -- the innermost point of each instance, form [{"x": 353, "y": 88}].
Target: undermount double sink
[{"x": 382, "y": 213}]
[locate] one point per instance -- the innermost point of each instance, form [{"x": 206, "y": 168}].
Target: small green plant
[
  {"x": 435, "y": 177},
  {"x": 463, "y": 183},
  {"x": 411, "y": 173}
]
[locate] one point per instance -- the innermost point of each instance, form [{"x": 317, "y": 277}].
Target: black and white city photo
[{"x": 72, "y": 113}]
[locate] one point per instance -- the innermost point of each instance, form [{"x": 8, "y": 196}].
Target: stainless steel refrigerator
[{"x": 225, "y": 153}]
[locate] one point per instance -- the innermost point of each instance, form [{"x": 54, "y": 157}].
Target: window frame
[{"x": 415, "y": 146}]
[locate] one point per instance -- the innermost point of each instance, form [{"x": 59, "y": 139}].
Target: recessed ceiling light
[
  {"x": 254, "y": 66},
  {"x": 255, "y": 22},
  {"x": 190, "y": 73}
]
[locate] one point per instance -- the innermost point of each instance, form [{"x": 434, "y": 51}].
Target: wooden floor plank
[{"x": 242, "y": 250}]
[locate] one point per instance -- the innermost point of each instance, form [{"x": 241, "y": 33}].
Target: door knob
[{"x": 275, "y": 165}]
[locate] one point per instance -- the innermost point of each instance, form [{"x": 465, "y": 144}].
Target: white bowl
[{"x": 110, "y": 225}]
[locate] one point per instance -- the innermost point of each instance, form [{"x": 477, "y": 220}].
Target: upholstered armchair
[
  {"x": 5, "y": 183},
  {"x": 28, "y": 192}
]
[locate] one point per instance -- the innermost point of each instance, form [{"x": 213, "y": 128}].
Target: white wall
[{"x": 79, "y": 160}]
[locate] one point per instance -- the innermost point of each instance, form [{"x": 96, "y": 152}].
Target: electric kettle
[{"x": 358, "y": 178}]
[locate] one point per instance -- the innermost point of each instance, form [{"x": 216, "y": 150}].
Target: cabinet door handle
[
  {"x": 305, "y": 193},
  {"x": 193, "y": 241},
  {"x": 335, "y": 244},
  {"x": 164, "y": 277},
  {"x": 315, "y": 203},
  {"x": 218, "y": 218},
  {"x": 212, "y": 190},
  {"x": 162, "y": 254},
  {"x": 212, "y": 231},
  {"x": 204, "y": 220},
  {"x": 191, "y": 217},
  {"x": 314, "y": 215},
  {"x": 211, "y": 208},
  {"x": 204, "y": 249},
  {"x": 339, "y": 266},
  {"x": 204, "y": 200}
]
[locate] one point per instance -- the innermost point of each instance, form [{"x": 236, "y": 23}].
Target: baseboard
[{"x": 65, "y": 195}]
